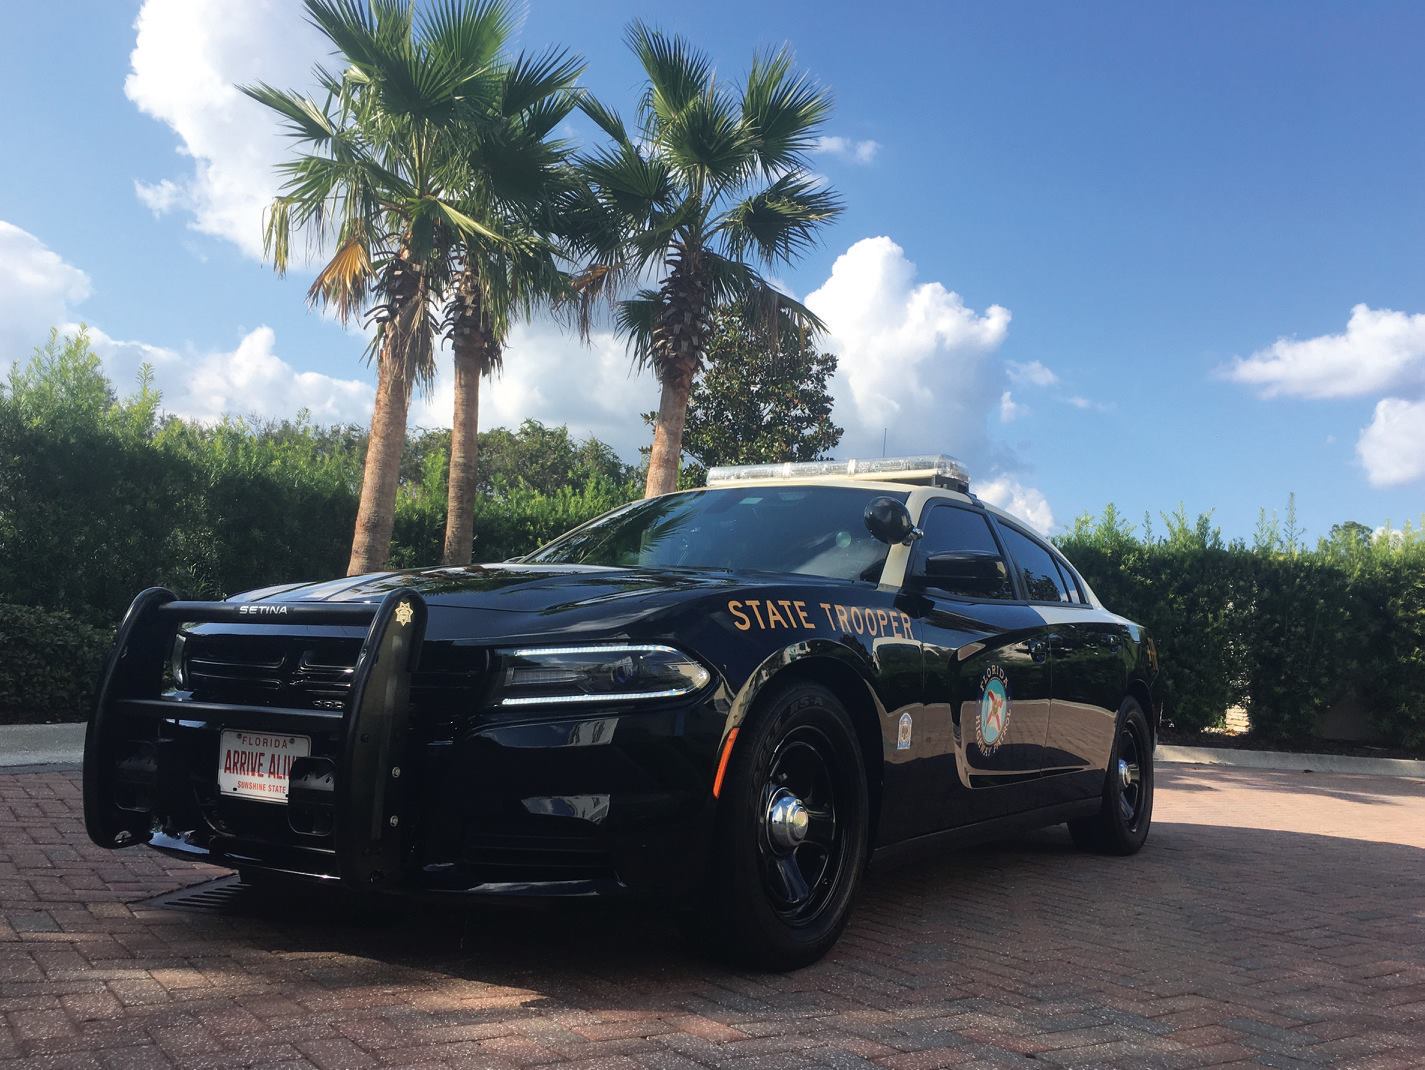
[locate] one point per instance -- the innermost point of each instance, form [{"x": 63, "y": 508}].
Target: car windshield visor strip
[{"x": 123, "y": 754}]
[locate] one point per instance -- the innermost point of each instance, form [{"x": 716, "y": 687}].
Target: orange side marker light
[{"x": 722, "y": 763}]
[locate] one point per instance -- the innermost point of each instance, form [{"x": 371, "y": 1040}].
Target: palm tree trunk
[
  {"x": 677, "y": 387},
  {"x": 376, "y": 515},
  {"x": 680, "y": 338},
  {"x": 460, "y": 505}
]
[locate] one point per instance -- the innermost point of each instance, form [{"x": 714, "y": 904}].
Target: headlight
[
  {"x": 557, "y": 675},
  {"x": 176, "y": 667}
]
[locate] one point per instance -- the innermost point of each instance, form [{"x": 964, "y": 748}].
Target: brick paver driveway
[{"x": 1273, "y": 919}]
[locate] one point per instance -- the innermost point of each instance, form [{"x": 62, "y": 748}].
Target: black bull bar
[{"x": 121, "y": 744}]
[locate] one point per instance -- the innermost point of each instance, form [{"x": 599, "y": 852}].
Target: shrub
[{"x": 49, "y": 664}]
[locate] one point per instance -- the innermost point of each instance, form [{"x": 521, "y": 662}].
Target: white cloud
[
  {"x": 549, "y": 375},
  {"x": 1078, "y": 401},
  {"x": 1392, "y": 446},
  {"x": 249, "y": 380},
  {"x": 914, "y": 360},
  {"x": 160, "y": 197},
  {"x": 917, "y": 365},
  {"x": 849, "y": 149},
  {"x": 38, "y": 288},
  {"x": 187, "y": 57},
  {"x": 1380, "y": 350},
  {"x": 1027, "y": 503},
  {"x": 1032, "y": 373}
]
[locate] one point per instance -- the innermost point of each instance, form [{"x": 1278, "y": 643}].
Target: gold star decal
[{"x": 404, "y": 613}]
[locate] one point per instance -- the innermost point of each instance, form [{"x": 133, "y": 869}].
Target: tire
[
  {"x": 781, "y": 889},
  {"x": 1122, "y": 822}
]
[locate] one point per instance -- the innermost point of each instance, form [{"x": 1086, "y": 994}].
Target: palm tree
[
  {"x": 517, "y": 176},
  {"x": 712, "y": 179},
  {"x": 382, "y": 184}
]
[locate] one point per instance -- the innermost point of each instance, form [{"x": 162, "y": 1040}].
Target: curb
[
  {"x": 1290, "y": 762},
  {"x": 27, "y": 745}
]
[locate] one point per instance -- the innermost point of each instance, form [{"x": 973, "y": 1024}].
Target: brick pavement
[{"x": 1273, "y": 920}]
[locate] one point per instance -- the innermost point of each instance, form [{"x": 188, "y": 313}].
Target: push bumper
[{"x": 608, "y": 802}]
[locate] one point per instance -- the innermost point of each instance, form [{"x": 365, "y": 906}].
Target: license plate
[{"x": 254, "y": 765}]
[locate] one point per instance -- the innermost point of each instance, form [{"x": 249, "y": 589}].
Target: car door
[
  {"x": 988, "y": 673},
  {"x": 1090, "y": 674}
]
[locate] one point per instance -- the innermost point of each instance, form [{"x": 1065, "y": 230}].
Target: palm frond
[
  {"x": 636, "y": 183},
  {"x": 781, "y": 222},
  {"x": 304, "y": 121},
  {"x": 532, "y": 79},
  {"x": 341, "y": 284},
  {"x": 677, "y": 72},
  {"x": 635, "y": 319},
  {"x": 707, "y": 142},
  {"x": 604, "y": 117},
  {"x": 470, "y": 33},
  {"x": 783, "y": 110},
  {"x": 737, "y": 285}
]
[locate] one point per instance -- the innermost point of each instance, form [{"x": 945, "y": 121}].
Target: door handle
[{"x": 1038, "y": 649}]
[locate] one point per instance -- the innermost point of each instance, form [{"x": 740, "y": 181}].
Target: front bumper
[{"x": 609, "y": 801}]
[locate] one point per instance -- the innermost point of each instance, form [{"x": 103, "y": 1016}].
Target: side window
[
  {"x": 1070, "y": 584},
  {"x": 1042, "y": 580},
  {"x": 949, "y": 528}
]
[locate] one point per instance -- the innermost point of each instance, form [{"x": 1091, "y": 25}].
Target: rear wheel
[
  {"x": 791, "y": 837},
  {"x": 1121, "y": 824}
]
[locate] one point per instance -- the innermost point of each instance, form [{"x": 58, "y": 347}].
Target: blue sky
[{"x": 1173, "y": 212}]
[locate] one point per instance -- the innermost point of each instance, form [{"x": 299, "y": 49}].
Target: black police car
[{"x": 727, "y": 699}]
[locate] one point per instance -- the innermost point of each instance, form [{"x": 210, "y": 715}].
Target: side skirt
[{"x": 893, "y": 854}]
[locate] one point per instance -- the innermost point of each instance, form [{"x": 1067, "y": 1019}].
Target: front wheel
[
  {"x": 791, "y": 836},
  {"x": 1121, "y": 824}
]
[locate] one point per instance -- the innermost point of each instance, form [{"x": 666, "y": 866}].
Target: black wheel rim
[
  {"x": 801, "y": 862},
  {"x": 1133, "y": 775}
]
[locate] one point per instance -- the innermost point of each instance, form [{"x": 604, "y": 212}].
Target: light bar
[{"x": 927, "y": 470}]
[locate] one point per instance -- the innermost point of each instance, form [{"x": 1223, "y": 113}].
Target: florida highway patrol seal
[{"x": 992, "y": 725}]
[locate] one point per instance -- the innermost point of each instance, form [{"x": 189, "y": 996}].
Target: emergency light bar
[{"x": 926, "y": 471}]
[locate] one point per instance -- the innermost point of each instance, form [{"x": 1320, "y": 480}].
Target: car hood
[
  {"x": 513, "y": 588},
  {"x": 531, "y": 600}
]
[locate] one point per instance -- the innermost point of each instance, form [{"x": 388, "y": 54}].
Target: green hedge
[
  {"x": 49, "y": 664},
  {"x": 1283, "y": 629}
]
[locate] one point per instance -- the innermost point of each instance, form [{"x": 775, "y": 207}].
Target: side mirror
[
  {"x": 965, "y": 571},
  {"x": 889, "y": 521}
]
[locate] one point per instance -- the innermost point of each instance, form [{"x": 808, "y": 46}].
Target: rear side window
[
  {"x": 948, "y": 528},
  {"x": 1042, "y": 580}
]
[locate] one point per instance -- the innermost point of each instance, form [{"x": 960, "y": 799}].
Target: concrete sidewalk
[{"x": 41, "y": 744}]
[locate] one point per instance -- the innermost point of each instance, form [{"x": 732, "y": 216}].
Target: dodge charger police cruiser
[{"x": 728, "y": 699}]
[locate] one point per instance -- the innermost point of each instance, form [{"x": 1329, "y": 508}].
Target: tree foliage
[
  {"x": 761, "y": 399},
  {"x": 1285, "y": 629},
  {"x": 102, "y": 496}
]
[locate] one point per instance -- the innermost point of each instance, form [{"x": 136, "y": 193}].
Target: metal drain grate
[{"x": 225, "y": 895}]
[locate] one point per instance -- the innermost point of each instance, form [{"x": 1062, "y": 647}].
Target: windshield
[{"x": 815, "y": 531}]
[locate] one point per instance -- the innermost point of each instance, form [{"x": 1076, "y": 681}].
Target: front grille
[{"x": 316, "y": 673}]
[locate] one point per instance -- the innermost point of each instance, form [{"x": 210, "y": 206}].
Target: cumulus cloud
[
  {"x": 1031, "y": 373},
  {"x": 38, "y": 288},
  {"x": 917, "y": 365},
  {"x": 1380, "y": 349},
  {"x": 1027, "y": 503},
  {"x": 849, "y": 149},
  {"x": 549, "y": 375},
  {"x": 248, "y": 380},
  {"x": 914, "y": 360},
  {"x": 1392, "y": 446},
  {"x": 187, "y": 57}
]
